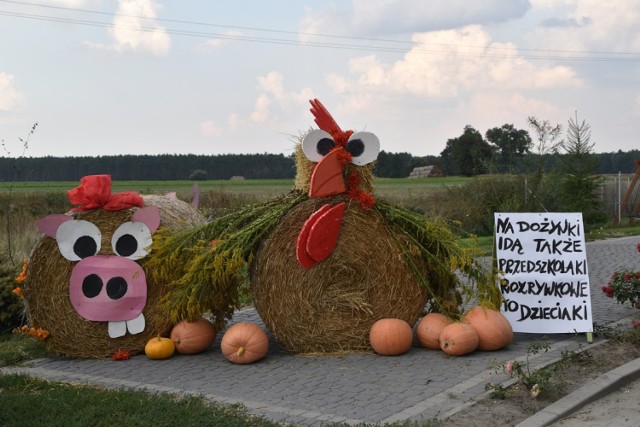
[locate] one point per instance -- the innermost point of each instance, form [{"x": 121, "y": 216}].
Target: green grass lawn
[{"x": 27, "y": 401}]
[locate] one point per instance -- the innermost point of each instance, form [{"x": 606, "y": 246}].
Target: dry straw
[
  {"x": 47, "y": 288},
  {"x": 388, "y": 262},
  {"x": 330, "y": 308}
]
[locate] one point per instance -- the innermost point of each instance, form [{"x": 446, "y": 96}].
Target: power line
[{"x": 404, "y": 46}]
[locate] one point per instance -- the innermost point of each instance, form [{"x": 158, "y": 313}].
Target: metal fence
[{"x": 612, "y": 194}]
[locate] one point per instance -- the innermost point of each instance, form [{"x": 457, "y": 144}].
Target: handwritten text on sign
[{"x": 544, "y": 261}]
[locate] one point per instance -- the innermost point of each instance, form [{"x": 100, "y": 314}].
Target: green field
[
  {"x": 401, "y": 190},
  {"x": 243, "y": 186}
]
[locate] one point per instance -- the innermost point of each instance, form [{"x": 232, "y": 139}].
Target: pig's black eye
[
  {"x": 78, "y": 239},
  {"x": 132, "y": 240}
]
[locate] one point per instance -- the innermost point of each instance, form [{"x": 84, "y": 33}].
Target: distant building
[
  {"x": 426, "y": 172},
  {"x": 237, "y": 178}
]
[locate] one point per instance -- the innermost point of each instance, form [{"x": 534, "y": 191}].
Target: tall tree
[
  {"x": 579, "y": 182},
  {"x": 512, "y": 145},
  {"x": 546, "y": 143},
  {"x": 469, "y": 154}
]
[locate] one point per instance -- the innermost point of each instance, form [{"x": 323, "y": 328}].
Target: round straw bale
[
  {"x": 47, "y": 287},
  {"x": 331, "y": 307}
]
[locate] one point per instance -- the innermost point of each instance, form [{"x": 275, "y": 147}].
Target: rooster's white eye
[
  {"x": 363, "y": 147},
  {"x": 316, "y": 144}
]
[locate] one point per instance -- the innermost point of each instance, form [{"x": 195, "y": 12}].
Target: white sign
[{"x": 543, "y": 259}]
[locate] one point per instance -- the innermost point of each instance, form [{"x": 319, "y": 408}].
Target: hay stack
[
  {"x": 330, "y": 308},
  {"x": 47, "y": 287}
]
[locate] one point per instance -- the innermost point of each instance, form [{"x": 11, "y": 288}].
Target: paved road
[{"x": 355, "y": 388}]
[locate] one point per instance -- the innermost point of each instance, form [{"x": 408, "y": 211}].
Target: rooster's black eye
[
  {"x": 355, "y": 147},
  {"x": 325, "y": 145},
  {"x": 317, "y": 144},
  {"x": 363, "y": 147}
]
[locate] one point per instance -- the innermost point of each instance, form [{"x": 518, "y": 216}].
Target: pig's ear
[
  {"x": 150, "y": 216},
  {"x": 50, "y": 223}
]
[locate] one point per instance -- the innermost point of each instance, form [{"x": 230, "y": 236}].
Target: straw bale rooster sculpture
[{"x": 327, "y": 260}]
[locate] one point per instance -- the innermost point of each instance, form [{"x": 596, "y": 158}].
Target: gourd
[
  {"x": 391, "y": 337},
  {"x": 429, "y": 328},
  {"x": 159, "y": 348},
  {"x": 493, "y": 329},
  {"x": 193, "y": 337},
  {"x": 244, "y": 343},
  {"x": 458, "y": 339}
]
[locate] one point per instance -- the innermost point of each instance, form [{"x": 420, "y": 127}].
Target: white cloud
[
  {"x": 589, "y": 25},
  {"x": 66, "y": 3},
  {"x": 234, "y": 122},
  {"x": 261, "y": 111},
  {"x": 380, "y": 17},
  {"x": 274, "y": 94},
  {"x": 209, "y": 129},
  {"x": 135, "y": 29},
  {"x": 213, "y": 45},
  {"x": 10, "y": 97},
  {"x": 271, "y": 113},
  {"x": 484, "y": 107},
  {"x": 448, "y": 64}
]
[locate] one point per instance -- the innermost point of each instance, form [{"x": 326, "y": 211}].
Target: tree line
[{"x": 501, "y": 150}]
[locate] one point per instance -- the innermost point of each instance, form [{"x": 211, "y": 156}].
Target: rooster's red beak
[{"x": 328, "y": 176}]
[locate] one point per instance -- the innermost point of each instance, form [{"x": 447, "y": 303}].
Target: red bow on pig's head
[{"x": 94, "y": 192}]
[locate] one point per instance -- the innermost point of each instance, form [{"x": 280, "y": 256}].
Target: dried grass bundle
[
  {"x": 47, "y": 288},
  {"x": 330, "y": 308}
]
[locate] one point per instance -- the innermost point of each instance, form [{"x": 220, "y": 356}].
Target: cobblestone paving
[{"x": 353, "y": 388}]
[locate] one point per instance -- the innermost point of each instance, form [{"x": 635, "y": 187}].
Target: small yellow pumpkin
[{"x": 159, "y": 348}]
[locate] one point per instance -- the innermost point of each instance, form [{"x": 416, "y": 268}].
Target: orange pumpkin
[
  {"x": 159, "y": 348},
  {"x": 458, "y": 339},
  {"x": 244, "y": 343},
  {"x": 429, "y": 328},
  {"x": 493, "y": 329},
  {"x": 193, "y": 337},
  {"x": 391, "y": 337}
]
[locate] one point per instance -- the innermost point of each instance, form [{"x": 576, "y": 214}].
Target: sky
[{"x": 219, "y": 77}]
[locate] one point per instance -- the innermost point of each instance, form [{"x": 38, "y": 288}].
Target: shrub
[
  {"x": 473, "y": 204},
  {"x": 198, "y": 175},
  {"x": 624, "y": 286},
  {"x": 11, "y": 306}
]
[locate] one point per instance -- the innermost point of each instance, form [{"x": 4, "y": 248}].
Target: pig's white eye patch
[
  {"x": 78, "y": 239},
  {"x": 132, "y": 240}
]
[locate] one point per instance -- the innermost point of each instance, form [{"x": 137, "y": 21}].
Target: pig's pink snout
[{"x": 108, "y": 288}]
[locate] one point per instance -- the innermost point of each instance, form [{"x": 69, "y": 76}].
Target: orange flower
[
  {"x": 23, "y": 274},
  {"x": 18, "y": 291},
  {"x": 39, "y": 333},
  {"x": 121, "y": 355}
]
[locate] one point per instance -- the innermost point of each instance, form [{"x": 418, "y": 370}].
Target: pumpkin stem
[{"x": 240, "y": 352}]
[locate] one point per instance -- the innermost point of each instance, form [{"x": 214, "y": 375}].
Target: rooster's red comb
[{"x": 323, "y": 119}]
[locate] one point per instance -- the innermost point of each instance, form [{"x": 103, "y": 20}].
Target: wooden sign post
[{"x": 543, "y": 259}]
